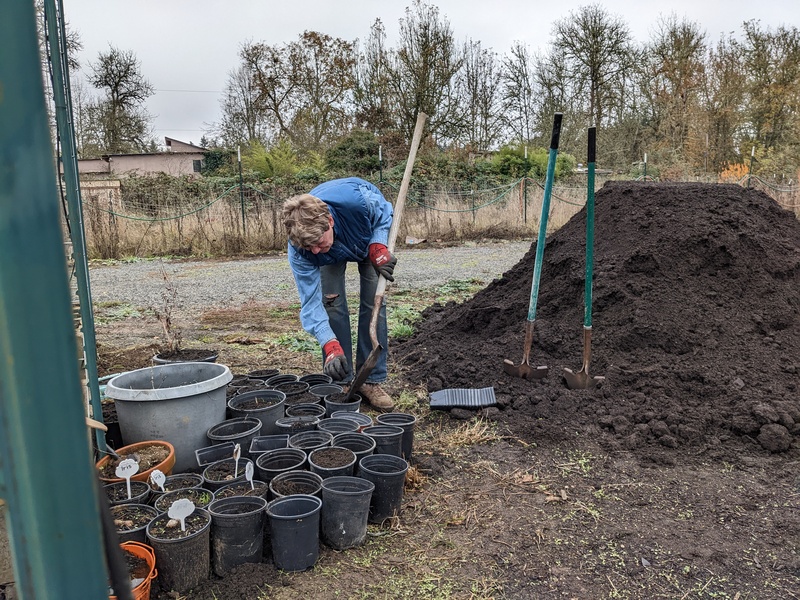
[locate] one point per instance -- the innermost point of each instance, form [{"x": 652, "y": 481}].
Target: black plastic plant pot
[
  {"x": 295, "y": 482},
  {"x": 316, "y": 379},
  {"x": 200, "y": 497},
  {"x": 294, "y": 523},
  {"x": 332, "y": 461},
  {"x": 179, "y": 481},
  {"x": 404, "y": 421},
  {"x": 239, "y": 430},
  {"x": 265, "y": 443},
  {"x": 117, "y": 492},
  {"x": 305, "y": 409},
  {"x": 131, "y": 521},
  {"x": 224, "y": 472},
  {"x": 292, "y": 388},
  {"x": 388, "y": 439},
  {"x": 278, "y": 461},
  {"x": 388, "y": 473},
  {"x": 237, "y": 532},
  {"x": 182, "y": 556},
  {"x": 264, "y": 374},
  {"x": 292, "y": 425},
  {"x": 345, "y": 511},
  {"x": 338, "y": 425},
  {"x": 210, "y": 454},
  {"x": 310, "y": 440},
  {"x": 253, "y": 488},
  {"x": 276, "y": 380},
  {"x": 363, "y": 420},
  {"x": 265, "y": 405},
  {"x": 361, "y": 444},
  {"x": 321, "y": 390},
  {"x": 333, "y": 403}
]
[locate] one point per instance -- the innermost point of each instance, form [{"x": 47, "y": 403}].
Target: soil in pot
[
  {"x": 199, "y": 496},
  {"x": 341, "y": 398},
  {"x": 165, "y": 528},
  {"x": 257, "y": 402},
  {"x": 242, "y": 488},
  {"x": 117, "y": 493},
  {"x": 181, "y": 481},
  {"x": 286, "y": 487},
  {"x": 138, "y": 568},
  {"x": 293, "y": 388},
  {"x": 147, "y": 457},
  {"x": 330, "y": 458},
  {"x": 301, "y": 398},
  {"x": 188, "y": 355},
  {"x": 224, "y": 470},
  {"x": 130, "y": 521},
  {"x": 263, "y": 373},
  {"x": 250, "y": 387}
]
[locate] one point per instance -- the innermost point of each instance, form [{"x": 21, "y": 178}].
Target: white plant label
[
  {"x": 158, "y": 479},
  {"x": 180, "y": 509},
  {"x": 237, "y": 453},
  {"x": 125, "y": 470},
  {"x": 248, "y": 474}
]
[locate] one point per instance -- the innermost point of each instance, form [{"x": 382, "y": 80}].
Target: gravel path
[{"x": 230, "y": 283}]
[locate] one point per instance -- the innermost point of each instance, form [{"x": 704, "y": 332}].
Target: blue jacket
[{"x": 361, "y": 216}]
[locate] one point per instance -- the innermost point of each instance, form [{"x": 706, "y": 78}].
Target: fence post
[
  {"x": 750, "y": 171},
  {"x": 525, "y": 197},
  {"x": 241, "y": 190}
]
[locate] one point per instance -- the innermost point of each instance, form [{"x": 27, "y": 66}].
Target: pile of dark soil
[{"x": 696, "y": 327}]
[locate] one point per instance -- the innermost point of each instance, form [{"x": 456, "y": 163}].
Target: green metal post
[
  {"x": 66, "y": 132},
  {"x": 47, "y": 474}
]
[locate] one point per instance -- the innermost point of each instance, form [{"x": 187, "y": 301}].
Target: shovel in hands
[
  {"x": 372, "y": 358},
  {"x": 524, "y": 369},
  {"x": 582, "y": 380}
]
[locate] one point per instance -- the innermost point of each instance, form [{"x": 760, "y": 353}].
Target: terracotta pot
[{"x": 164, "y": 466}]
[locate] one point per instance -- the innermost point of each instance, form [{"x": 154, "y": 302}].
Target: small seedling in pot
[
  {"x": 179, "y": 510},
  {"x": 125, "y": 470},
  {"x": 157, "y": 479}
]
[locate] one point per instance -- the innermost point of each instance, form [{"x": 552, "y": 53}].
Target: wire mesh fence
[{"x": 163, "y": 217}]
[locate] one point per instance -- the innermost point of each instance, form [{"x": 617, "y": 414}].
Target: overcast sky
[{"x": 188, "y": 47}]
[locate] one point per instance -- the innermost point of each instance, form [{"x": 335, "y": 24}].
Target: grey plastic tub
[{"x": 177, "y": 403}]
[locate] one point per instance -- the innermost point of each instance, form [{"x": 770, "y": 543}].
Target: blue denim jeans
[{"x": 334, "y": 298}]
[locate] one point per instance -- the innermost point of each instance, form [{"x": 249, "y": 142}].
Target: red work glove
[
  {"x": 335, "y": 364},
  {"x": 382, "y": 260}
]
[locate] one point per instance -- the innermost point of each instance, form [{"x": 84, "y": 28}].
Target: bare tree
[
  {"x": 375, "y": 104},
  {"x": 597, "y": 52},
  {"x": 423, "y": 72},
  {"x": 243, "y": 119},
  {"x": 672, "y": 81},
  {"x": 118, "y": 119},
  {"x": 724, "y": 88},
  {"x": 772, "y": 62},
  {"x": 305, "y": 87},
  {"x": 479, "y": 89},
  {"x": 518, "y": 91}
]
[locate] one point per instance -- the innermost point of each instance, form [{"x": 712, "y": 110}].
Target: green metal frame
[{"x": 47, "y": 475}]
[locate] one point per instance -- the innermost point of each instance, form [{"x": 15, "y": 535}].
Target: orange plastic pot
[
  {"x": 141, "y": 591},
  {"x": 164, "y": 466}
]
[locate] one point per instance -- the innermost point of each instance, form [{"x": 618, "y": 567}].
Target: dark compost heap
[{"x": 696, "y": 326}]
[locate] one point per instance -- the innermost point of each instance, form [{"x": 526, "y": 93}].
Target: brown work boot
[{"x": 376, "y": 397}]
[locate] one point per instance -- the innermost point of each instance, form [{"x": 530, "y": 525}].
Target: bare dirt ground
[{"x": 678, "y": 478}]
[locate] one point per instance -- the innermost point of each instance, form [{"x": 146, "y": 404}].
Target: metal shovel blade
[
  {"x": 582, "y": 380},
  {"x": 524, "y": 369},
  {"x": 364, "y": 371}
]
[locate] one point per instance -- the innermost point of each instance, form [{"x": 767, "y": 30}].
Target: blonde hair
[{"x": 306, "y": 218}]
